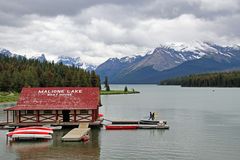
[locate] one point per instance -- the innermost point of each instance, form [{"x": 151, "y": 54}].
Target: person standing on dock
[
  {"x": 150, "y": 116},
  {"x": 153, "y": 116}
]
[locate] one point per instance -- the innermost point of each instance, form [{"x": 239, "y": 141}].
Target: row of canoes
[
  {"x": 33, "y": 132},
  {"x": 143, "y": 124}
]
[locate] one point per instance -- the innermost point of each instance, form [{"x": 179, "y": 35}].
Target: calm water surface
[{"x": 204, "y": 124}]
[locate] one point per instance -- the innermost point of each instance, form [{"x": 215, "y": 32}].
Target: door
[{"x": 66, "y": 116}]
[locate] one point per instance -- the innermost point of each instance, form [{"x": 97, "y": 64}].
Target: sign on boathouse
[
  {"x": 57, "y": 105},
  {"x": 59, "y": 92}
]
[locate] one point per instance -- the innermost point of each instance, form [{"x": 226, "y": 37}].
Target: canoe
[
  {"x": 31, "y": 136},
  {"x": 144, "y": 126},
  {"x": 33, "y": 132},
  {"x": 148, "y": 122},
  {"x": 121, "y": 127},
  {"x": 55, "y": 127},
  {"x": 34, "y": 127},
  {"x": 29, "y": 131}
]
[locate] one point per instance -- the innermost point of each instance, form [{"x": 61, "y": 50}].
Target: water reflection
[
  {"x": 3, "y": 115},
  {"x": 203, "y": 125},
  {"x": 56, "y": 149}
]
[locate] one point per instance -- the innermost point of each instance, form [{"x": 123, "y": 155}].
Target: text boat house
[{"x": 61, "y": 105}]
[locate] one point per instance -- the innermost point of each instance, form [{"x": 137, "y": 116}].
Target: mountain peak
[
  {"x": 162, "y": 61},
  {"x": 40, "y": 58},
  {"x": 5, "y": 52},
  {"x": 129, "y": 59},
  {"x": 77, "y": 62}
]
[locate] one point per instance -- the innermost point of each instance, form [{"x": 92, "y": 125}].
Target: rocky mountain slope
[{"x": 169, "y": 61}]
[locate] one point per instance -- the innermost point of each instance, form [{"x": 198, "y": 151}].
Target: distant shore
[
  {"x": 9, "y": 97},
  {"x": 113, "y": 92}
]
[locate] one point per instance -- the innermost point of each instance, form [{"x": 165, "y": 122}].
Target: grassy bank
[
  {"x": 8, "y": 97},
  {"x": 118, "y": 92}
]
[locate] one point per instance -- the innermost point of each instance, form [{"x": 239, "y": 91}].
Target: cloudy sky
[{"x": 96, "y": 30}]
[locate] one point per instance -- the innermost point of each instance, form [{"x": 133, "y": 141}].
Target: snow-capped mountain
[
  {"x": 168, "y": 57},
  {"x": 7, "y": 53},
  {"x": 68, "y": 61},
  {"x": 77, "y": 62},
  {"x": 40, "y": 58},
  {"x": 113, "y": 66}
]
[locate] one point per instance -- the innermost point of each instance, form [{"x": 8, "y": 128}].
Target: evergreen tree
[
  {"x": 125, "y": 89},
  {"x": 17, "y": 72},
  {"x": 223, "y": 79},
  {"x": 94, "y": 79},
  {"x": 106, "y": 85}
]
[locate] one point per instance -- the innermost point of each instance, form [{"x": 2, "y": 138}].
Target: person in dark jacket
[
  {"x": 150, "y": 116},
  {"x": 153, "y": 116}
]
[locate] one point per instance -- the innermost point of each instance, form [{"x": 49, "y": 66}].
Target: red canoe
[
  {"x": 29, "y": 131},
  {"x": 10, "y": 134},
  {"x": 100, "y": 115},
  {"x": 121, "y": 127},
  {"x": 34, "y": 127}
]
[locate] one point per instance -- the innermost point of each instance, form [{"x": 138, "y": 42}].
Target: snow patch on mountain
[
  {"x": 5, "y": 52},
  {"x": 40, "y": 58},
  {"x": 77, "y": 62},
  {"x": 166, "y": 57},
  {"x": 129, "y": 59}
]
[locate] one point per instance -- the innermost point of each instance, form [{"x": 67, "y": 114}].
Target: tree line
[
  {"x": 18, "y": 72},
  {"x": 222, "y": 79}
]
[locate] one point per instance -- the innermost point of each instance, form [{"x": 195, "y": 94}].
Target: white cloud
[
  {"x": 102, "y": 31},
  {"x": 219, "y": 5}
]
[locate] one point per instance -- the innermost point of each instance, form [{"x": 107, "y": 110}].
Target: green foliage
[
  {"x": 125, "y": 89},
  {"x": 8, "y": 96},
  {"x": 223, "y": 79},
  {"x": 106, "y": 84},
  {"x": 18, "y": 72}
]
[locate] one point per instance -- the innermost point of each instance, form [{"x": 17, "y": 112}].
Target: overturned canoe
[
  {"x": 121, "y": 127},
  {"x": 34, "y": 132},
  {"x": 31, "y": 136}
]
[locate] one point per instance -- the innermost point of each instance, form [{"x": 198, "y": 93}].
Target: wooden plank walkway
[{"x": 76, "y": 134}]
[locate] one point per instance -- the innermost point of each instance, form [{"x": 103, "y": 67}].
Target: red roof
[{"x": 58, "y": 98}]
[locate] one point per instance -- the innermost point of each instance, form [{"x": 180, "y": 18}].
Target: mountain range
[
  {"x": 66, "y": 60},
  {"x": 168, "y": 61},
  {"x": 77, "y": 62},
  {"x": 163, "y": 62}
]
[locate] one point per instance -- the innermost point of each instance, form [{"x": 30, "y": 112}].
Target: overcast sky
[{"x": 96, "y": 30}]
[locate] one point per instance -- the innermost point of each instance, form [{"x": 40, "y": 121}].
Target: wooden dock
[{"x": 77, "y": 134}]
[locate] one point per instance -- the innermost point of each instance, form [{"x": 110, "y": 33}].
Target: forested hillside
[
  {"x": 18, "y": 72},
  {"x": 224, "y": 79}
]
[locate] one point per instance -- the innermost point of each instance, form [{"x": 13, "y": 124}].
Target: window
[
  {"x": 29, "y": 112},
  {"x": 47, "y": 112},
  {"x": 23, "y": 112},
  {"x": 83, "y": 111}
]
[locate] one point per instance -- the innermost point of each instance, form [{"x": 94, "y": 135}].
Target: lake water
[{"x": 204, "y": 124}]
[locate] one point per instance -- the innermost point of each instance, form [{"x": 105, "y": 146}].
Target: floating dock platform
[
  {"x": 77, "y": 134},
  {"x": 132, "y": 126},
  {"x": 142, "y": 124}
]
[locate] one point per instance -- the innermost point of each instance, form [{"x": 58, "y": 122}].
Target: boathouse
[{"x": 60, "y": 105}]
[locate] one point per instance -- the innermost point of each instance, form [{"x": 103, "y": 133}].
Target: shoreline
[
  {"x": 117, "y": 92},
  {"x": 5, "y": 99}
]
